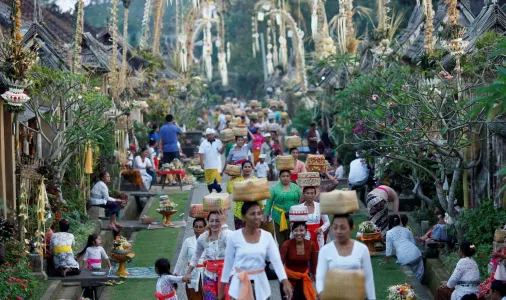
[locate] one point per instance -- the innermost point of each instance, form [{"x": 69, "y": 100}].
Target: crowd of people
[{"x": 220, "y": 263}]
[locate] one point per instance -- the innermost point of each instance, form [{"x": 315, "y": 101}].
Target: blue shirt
[
  {"x": 168, "y": 133},
  {"x": 253, "y": 130},
  {"x": 155, "y": 137}
]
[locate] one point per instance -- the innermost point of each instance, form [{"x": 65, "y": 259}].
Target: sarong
[
  {"x": 211, "y": 175},
  {"x": 311, "y": 228},
  {"x": 378, "y": 212}
]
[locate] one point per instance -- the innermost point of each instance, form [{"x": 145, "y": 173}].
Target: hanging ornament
[
  {"x": 222, "y": 64},
  {"x": 283, "y": 52},
  {"x": 270, "y": 66},
  {"x": 278, "y": 19},
  {"x": 196, "y": 4},
  {"x": 228, "y": 52},
  {"x": 182, "y": 55},
  {"x": 88, "y": 164},
  {"x": 217, "y": 43},
  {"x": 314, "y": 19}
]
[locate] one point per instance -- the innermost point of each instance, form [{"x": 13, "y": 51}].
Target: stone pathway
[{"x": 197, "y": 197}]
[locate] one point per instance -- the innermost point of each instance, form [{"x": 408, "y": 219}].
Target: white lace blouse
[
  {"x": 165, "y": 285},
  {"x": 212, "y": 250}
]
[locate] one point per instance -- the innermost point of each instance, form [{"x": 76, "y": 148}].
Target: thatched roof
[{"x": 51, "y": 53}]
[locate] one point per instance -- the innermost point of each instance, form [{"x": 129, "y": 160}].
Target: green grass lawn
[
  {"x": 384, "y": 275},
  {"x": 149, "y": 245}
]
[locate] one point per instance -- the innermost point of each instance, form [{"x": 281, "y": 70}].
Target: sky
[{"x": 68, "y": 5}]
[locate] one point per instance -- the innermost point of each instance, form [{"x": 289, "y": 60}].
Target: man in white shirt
[
  {"x": 222, "y": 119},
  {"x": 339, "y": 169},
  {"x": 359, "y": 173},
  {"x": 262, "y": 168},
  {"x": 210, "y": 152}
]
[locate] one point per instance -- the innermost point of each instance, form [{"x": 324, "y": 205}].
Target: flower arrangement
[
  {"x": 122, "y": 244},
  {"x": 367, "y": 227},
  {"x": 401, "y": 292},
  {"x": 166, "y": 205}
]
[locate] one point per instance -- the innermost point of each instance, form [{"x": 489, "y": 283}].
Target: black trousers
[{"x": 168, "y": 157}]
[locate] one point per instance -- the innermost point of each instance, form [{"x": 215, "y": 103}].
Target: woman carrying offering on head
[
  {"x": 213, "y": 242},
  {"x": 465, "y": 278},
  {"x": 405, "y": 247},
  {"x": 284, "y": 195},
  {"x": 194, "y": 288},
  {"x": 238, "y": 154},
  {"x": 100, "y": 197},
  {"x": 143, "y": 164},
  {"x": 247, "y": 173},
  {"x": 317, "y": 224},
  {"x": 247, "y": 251},
  {"x": 377, "y": 205},
  {"x": 299, "y": 166},
  {"x": 345, "y": 253},
  {"x": 300, "y": 258}
]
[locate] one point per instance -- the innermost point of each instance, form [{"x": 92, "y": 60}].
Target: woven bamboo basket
[
  {"x": 197, "y": 211},
  {"x": 285, "y": 162},
  {"x": 309, "y": 179},
  {"x": 238, "y": 112},
  {"x": 338, "y": 202},
  {"x": 240, "y": 130},
  {"x": 293, "y": 142},
  {"x": 284, "y": 115},
  {"x": 227, "y": 135},
  {"x": 499, "y": 235},
  {"x": 232, "y": 170},
  {"x": 252, "y": 190},
  {"x": 253, "y": 116},
  {"x": 344, "y": 285},
  {"x": 216, "y": 202}
]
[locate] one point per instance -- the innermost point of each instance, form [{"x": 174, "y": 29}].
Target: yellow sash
[
  {"x": 283, "y": 225},
  {"x": 62, "y": 249}
]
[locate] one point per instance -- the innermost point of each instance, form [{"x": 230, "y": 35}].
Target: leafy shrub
[
  {"x": 425, "y": 214},
  {"x": 480, "y": 222},
  {"x": 16, "y": 279}
]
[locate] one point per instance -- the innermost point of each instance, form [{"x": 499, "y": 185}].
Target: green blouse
[{"x": 283, "y": 200}]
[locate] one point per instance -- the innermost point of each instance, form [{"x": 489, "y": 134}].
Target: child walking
[
  {"x": 167, "y": 283},
  {"x": 93, "y": 253},
  {"x": 262, "y": 168}
]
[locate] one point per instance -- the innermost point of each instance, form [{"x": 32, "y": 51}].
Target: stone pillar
[{"x": 10, "y": 163}]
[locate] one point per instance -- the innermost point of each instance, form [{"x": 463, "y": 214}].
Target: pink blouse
[{"x": 258, "y": 141}]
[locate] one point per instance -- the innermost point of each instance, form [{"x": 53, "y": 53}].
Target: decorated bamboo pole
[
  {"x": 157, "y": 27},
  {"x": 429, "y": 27},
  {"x": 79, "y": 34},
  {"x": 145, "y": 25},
  {"x": 126, "y": 5},
  {"x": 113, "y": 78}
]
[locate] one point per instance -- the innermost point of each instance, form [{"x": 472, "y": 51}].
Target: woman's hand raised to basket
[{"x": 223, "y": 217}]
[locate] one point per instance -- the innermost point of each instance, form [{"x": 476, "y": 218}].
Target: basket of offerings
[
  {"x": 368, "y": 231},
  {"x": 240, "y": 130},
  {"x": 197, "y": 211},
  {"x": 293, "y": 142},
  {"x": 401, "y": 292},
  {"x": 316, "y": 163},
  {"x": 344, "y": 285},
  {"x": 309, "y": 179},
  {"x": 121, "y": 246},
  {"x": 338, "y": 202},
  {"x": 284, "y": 116},
  {"x": 227, "y": 135},
  {"x": 252, "y": 190},
  {"x": 298, "y": 213},
  {"x": 232, "y": 170},
  {"x": 499, "y": 235},
  {"x": 216, "y": 202},
  {"x": 253, "y": 116},
  {"x": 285, "y": 162}
]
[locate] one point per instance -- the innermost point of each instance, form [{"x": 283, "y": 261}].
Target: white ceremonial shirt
[
  {"x": 244, "y": 256},
  {"x": 262, "y": 169},
  {"x": 359, "y": 259},
  {"x": 315, "y": 218},
  {"x": 212, "y": 156},
  {"x": 340, "y": 172},
  {"x": 185, "y": 256},
  {"x": 358, "y": 171},
  {"x": 403, "y": 241}
]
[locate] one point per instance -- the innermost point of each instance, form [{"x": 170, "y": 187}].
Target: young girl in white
[
  {"x": 93, "y": 253},
  {"x": 167, "y": 283}
]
